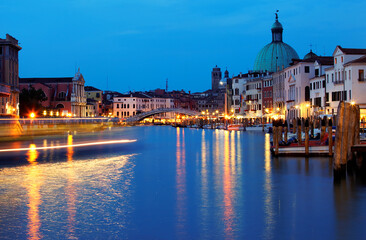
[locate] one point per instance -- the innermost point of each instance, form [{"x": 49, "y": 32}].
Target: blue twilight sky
[{"x": 137, "y": 44}]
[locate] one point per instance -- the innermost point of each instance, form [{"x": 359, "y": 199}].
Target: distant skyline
[{"x": 137, "y": 45}]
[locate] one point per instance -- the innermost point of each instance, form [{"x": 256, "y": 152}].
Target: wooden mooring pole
[
  {"x": 286, "y": 130},
  {"x": 330, "y": 137},
  {"x": 299, "y": 139},
  {"x": 307, "y": 137}
]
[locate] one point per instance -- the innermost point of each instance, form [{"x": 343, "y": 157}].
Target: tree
[{"x": 30, "y": 101}]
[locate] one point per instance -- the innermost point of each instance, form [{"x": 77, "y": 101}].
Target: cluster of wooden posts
[
  {"x": 299, "y": 126},
  {"x": 347, "y": 136}
]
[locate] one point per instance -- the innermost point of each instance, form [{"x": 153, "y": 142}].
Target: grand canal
[{"x": 172, "y": 183}]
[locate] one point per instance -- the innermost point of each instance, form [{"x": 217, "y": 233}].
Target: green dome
[
  {"x": 310, "y": 55},
  {"x": 273, "y": 55}
]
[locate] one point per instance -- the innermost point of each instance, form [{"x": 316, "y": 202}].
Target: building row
[{"x": 282, "y": 84}]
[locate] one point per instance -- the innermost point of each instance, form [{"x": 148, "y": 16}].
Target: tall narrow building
[
  {"x": 9, "y": 77},
  {"x": 216, "y": 77}
]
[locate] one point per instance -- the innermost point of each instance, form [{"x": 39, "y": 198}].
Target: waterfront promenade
[{"x": 173, "y": 183}]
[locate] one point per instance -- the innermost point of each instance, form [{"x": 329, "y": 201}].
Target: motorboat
[{"x": 235, "y": 127}]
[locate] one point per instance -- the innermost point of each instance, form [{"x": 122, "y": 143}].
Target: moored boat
[{"x": 235, "y": 127}]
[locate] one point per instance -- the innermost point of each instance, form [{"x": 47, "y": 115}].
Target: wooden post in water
[
  {"x": 330, "y": 137},
  {"x": 286, "y": 130},
  {"x": 312, "y": 128},
  {"x": 306, "y": 137},
  {"x": 280, "y": 128},
  {"x": 299, "y": 139},
  {"x": 322, "y": 129},
  {"x": 294, "y": 125},
  {"x": 351, "y": 131},
  {"x": 346, "y": 120},
  {"x": 275, "y": 136},
  {"x": 337, "y": 166}
]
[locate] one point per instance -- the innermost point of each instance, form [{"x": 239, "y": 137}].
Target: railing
[{"x": 338, "y": 82}]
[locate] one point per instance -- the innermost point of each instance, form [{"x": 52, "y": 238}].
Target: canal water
[{"x": 172, "y": 183}]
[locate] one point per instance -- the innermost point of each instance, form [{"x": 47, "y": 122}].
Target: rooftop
[{"x": 46, "y": 80}]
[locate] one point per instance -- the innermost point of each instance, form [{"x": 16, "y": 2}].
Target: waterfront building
[
  {"x": 128, "y": 105},
  {"x": 107, "y": 102},
  {"x": 267, "y": 95},
  {"x": 95, "y": 94},
  {"x": 279, "y": 92},
  {"x": 345, "y": 80},
  {"x": 297, "y": 87},
  {"x": 9, "y": 76},
  {"x": 252, "y": 95},
  {"x": 238, "y": 88},
  {"x": 276, "y": 55},
  {"x": 247, "y": 93},
  {"x": 183, "y": 99},
  {"x": 64, "y": 95},
  {"x": 318, "y": 86},
  {"x": 92, "y": 108}
]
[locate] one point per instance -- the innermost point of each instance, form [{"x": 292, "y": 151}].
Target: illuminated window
[{"x": 335, "y": 60}]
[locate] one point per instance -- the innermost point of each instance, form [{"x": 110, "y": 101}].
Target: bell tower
[{"x": 216, "y": 77}]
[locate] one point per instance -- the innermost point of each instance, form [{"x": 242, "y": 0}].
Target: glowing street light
[
  {"x": 353, "y": 103},
  {"x": 32, "y": 115}
]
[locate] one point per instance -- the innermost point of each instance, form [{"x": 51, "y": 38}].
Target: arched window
[
  {"x": 60, "y": 106},
  {"x": 236, "y": 91},
  {"x": 237, "y": 102}
]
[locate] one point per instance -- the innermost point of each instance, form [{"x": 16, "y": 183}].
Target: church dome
[
  {"x": 277, "y": 54},
  {"x": 310, "y": 55}
]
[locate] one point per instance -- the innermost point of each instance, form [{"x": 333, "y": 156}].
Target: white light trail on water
[{"x": 72, "y": 145}]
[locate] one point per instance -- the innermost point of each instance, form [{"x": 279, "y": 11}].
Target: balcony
[
  {"x": 338, "y": 82},
  {"x": 4, "y": 90}
]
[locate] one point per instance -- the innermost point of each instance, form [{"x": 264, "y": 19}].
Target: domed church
[{"x": 277, "y": 54}]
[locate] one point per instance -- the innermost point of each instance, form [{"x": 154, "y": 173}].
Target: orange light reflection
[
  {"x": 181, "y": 180},
  {"x": 33, "y": 182},
  {"x": 67, "y": 146},
  {"x": 228, "y": 194}
]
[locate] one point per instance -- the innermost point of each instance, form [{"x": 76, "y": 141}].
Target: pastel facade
[
  {"x": 345, "y": 79},
  {"x": 127, "y": 105}
]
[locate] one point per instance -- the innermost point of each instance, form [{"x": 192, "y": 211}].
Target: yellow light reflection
[
  {"x": 70, "y": 149},
  {"x": 204, "y": 181},
  {"x": 32, "y": 154},
  {"x": 268, "y": 198},
  {"x": 181, "y": 180},
  {"x": 228, "y": 194},
  {"x": 33, "y": 182},
  {"x": 70, "y": 189}
]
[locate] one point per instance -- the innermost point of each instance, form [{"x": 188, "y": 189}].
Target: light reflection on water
[
  {"x": 181, "y": 181},
  {"x": 67, "y": 190},
  {"x": 202, "y": 184},
  {"x": 33, "y": 182}
]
